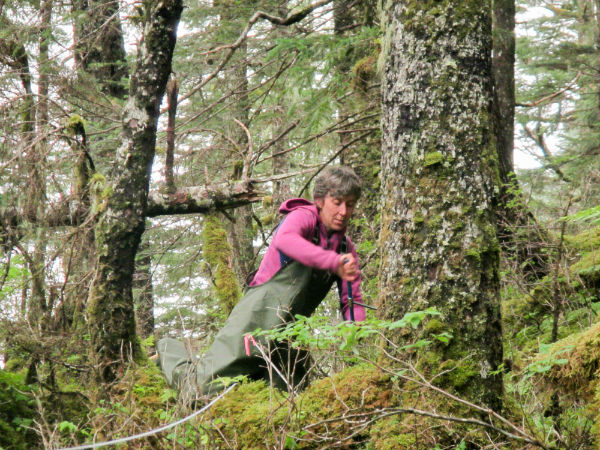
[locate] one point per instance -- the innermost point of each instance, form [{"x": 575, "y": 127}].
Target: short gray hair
[{"x": 338, "y": 181}]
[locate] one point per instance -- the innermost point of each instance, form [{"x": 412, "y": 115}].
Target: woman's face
[{"x": 335, "y": 212}]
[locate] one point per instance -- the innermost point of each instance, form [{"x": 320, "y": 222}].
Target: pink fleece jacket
[{"x": 294, "y": 238}]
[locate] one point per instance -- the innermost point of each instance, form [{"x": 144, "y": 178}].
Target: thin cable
[{"x": 154, "y": 431}]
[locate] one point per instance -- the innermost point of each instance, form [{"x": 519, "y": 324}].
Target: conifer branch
[
  {"x": 551, "y": 96},
  {"x": 285, "y": 21}
]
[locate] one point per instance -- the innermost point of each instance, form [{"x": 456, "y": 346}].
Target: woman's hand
[{"x": 347, "y": 267}]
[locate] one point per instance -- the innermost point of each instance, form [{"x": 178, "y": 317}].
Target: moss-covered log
[
  {"x": 440, "y": 183},
  {"x": 121, "y": 213}
]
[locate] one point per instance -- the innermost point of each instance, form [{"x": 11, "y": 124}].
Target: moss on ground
[{"x": 360, "y": 407}]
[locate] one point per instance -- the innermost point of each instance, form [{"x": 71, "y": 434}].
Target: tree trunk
[
  {"x": 440, "y": 181},
  {"x": 143, "y": 295},
  {"x": 99, "y": 44},
  {"x": 342, "y": 19},
  {"x": 100, "y": 53},
  {"x": 521, "y": 238},
  {"x": 281, "y": 161},
  {"x": 39, "y": 311},
  {"x": 503, "y": 65},
  {"x": 240, "y": 229},
  {"x": 121, "y": 222}
]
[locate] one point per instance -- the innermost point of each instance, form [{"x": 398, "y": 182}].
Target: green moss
[
  {"x": 267, "y": 201},
  {"x": 268, "y": 219},
  {"x": 392, "y": 433},
  {"x": 218, "y": 254},
  {"x": 435, "y": 326},
  {"x": 75, "y": 124},
  {"x": 238, "y": 168},
  {"x": 250, "y": 415},
  {"x": 434, "y": 222},
  {"x": 364, "y": 71},
  {"x": 474, "y": 254},
  {"x": 461, "y": 374},
  {"x": 586, "y": 241},
  {"x": 433, "y": 158},
  {"x": 572, "y": 363},
  {"x": 588, "y": 266}
]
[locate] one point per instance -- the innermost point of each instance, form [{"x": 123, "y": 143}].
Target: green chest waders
[{"x": 295, "y": 289}]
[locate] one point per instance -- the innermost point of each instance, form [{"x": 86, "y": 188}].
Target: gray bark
[{"x": 440, "y": 181}]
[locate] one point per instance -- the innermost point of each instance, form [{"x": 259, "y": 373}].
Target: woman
[{"x": 309, "y": 251}]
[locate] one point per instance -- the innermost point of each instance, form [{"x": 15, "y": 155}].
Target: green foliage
[
  {"x": 317, "y": 333},
  {"x": 17, "y": 412},
  {"x": 433, "y": 158},
  {"x": 591, "y": 215}
]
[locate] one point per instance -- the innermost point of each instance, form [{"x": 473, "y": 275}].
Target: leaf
[
  {"x": 67, "y": 426},
  {"x": 290, "y": 443}
]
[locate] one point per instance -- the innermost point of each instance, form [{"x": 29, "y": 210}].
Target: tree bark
[
  {"x": 281, "y": 161},
  {"x": 503, "y": 65},
  {"x": 172, "y": 94},
  {"x": 99, "y": 53},
  {"x": 143, "y": 295},
  {"x": 121, "y": 223},
  {"x": 440, "y": 180}
]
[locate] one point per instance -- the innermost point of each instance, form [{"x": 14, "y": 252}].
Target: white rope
[{"x": 154, "y": 431}]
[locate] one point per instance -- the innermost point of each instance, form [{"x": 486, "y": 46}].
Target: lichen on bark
[{"x": 440, "y": 181}]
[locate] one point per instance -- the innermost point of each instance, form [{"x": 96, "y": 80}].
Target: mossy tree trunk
[
  {"x": 361, "y": 150},
  {"x": 39, "y": 310},
  {"x": 218, "y": 254},
  {"x": 100, "y": 54},
  {"x": 281, "y": 161},
  {"x": 121, "y": 223},
  {"x": 440, "y": 182},
  {"x": 143, "y": 293}
]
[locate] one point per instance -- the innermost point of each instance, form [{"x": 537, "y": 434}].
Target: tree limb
[{"x": 203, "y": 199}]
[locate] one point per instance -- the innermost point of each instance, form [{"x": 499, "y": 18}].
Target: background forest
[{"x": 145, "y": 147}]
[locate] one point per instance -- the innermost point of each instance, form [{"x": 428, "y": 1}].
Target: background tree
[{"x": 121, "y": 221}]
